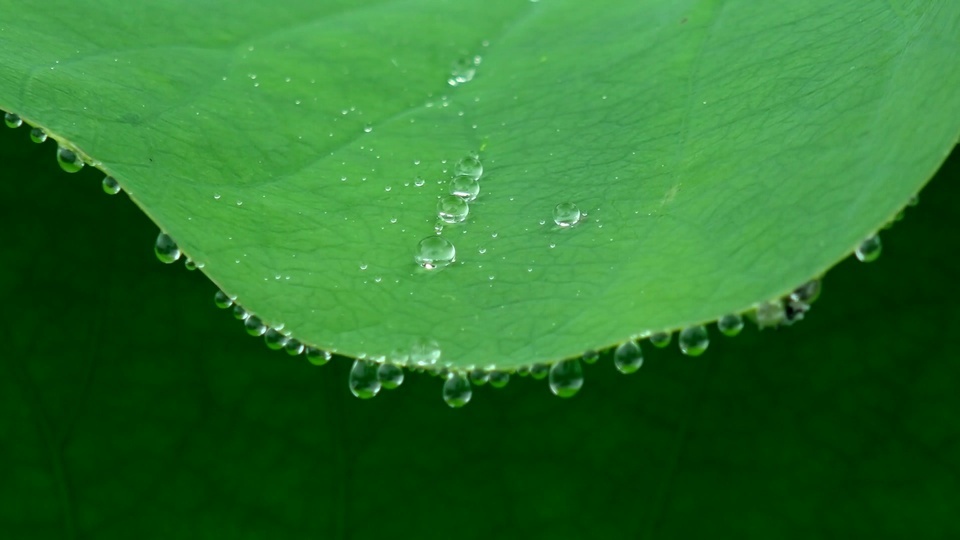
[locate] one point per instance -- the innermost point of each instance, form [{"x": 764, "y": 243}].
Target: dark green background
[{"x": 133, "y": 408}]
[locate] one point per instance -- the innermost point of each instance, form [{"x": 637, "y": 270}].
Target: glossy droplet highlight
[
  {"x": 69, "y": 160},
  {"x": 660, "y": 339},
  {"x": 317, "y": 357},
  {"x": 452, "y": 209},
  {"x": 12, "y": 120},
  {"x": 566, "y": 214},
  {"x": 293, "y": 347},
  {"x": 364, "y": 381},
  {"x": 566, "y": 378},
  {"x": 110, "y": 186},
  {"x": 274, "y": 339},
  {"x": 469, "y": 166},
  {"x": 869, "y": 249},
  {"x": 465, "y": 187},
  {"x": 221, "y": 300},
  {"x": 730, "y": 325},
  {"x": 435, "y": 252},
  {"x": 38, "y": 135},
  {"x": 628, "y": 357},
  {"x": 694, "y": 340},
  {"x": 463, "y": 71},
  {"x": 498, "y": 379},
  {"x": 254, "y": 326},
  {"x": 457, "y": 390},
  {"x": 390, "y": 375},
  {"x": 239, "y": 313},
  {"x": 166, "y": 249}
]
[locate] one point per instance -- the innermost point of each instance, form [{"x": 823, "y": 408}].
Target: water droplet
[
  {"x": 770, "y": 314},
  {"x": 694, "y": 340},
  {"x": 363, "y": 266},
  {"x": 913, "y": 201},
  {"x": 523, "y": 371},
  {"x": 468, "y": 166},
  {"x": 363, "y": 381},
  {"x": 479, "y": 377},
  {"x": 38, "y": 135},
  {"x": 566, "y": 214},
  {"x": 189, "y": 264},
  {"x": 239, "y": 313},
  {"x": 660, "y": 339},
  {"x": 452, "y": 209},
  {"x": 419, "y": 182},
  {"x": 293, "y": 347},
  {"x": 166, "y": 249},
  {"x": 390, "y": 375},
  {"x": 110, "y": 186},
  {"x": 254, "y": 326},
  {"x": 274, "y": 339},
  {"x": 367, "y": 128},
  {"x": 566, "y": 378},
  {"x": 317, "y": 357},
  {"x": 465, "y": 187},
  {"x": 498, "y": 379},
  {"x": 221, "y": 300},
  {"x": 457, "y": 390},
  {"x": 730, "y": 325},
  {"x": 12, "y": 120},
  {"x": 591, "y": 357},
  {"x": 425, "y": 352},
  {"x": 463, "y": 71},
  {"x": 869, "y": 249},
  {"x": 539, "y": 371},
  {"x": 68, "y": 159},
  {"x": 435, "y": 252},
  {"x": 628, "y": 357}
]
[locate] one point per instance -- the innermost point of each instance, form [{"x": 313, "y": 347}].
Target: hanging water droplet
[
  {"x": 274, "y": 339},
  {"x": 628, "y": 357},
  {"x": 363, "y": 380},
  {"x": 425, "y": 352},
  {"x": 221, "y": 300},
  {"x": 452, "y": 209},
  {"x": 38, "y": 135},
  {"x": 869, "y": 249},
  {"x": 730, "y": 325},
  {"x": 770, "y": 314},
  {"x": 566, "y": 378},
  {"x": 457, "y": 390},
  {"x": 317, "y": 357},
  {"x": 660, "y": 339},
  {"x": 808, "y": 292},
  {"x": 469, "y": 166},
  {"x": 239, "y": 313},
  {"x": 12, "y": 120},
  {"x": 523, "y": 371},
  {"x": 254, "y": 326},
  {"x": 498, "y": 379},
  {"x": 539, "y": 371},
  {"x": 465, "y": 187},
  {"x": 479, "y": 377},
  {"x": 591, "y": 357},
  {"x": 293, "y": 347},
  {"x": 390, "y": 375},
  {"x": 566, "y": 214},
  {"x": 110, "y": 185},
  {"x": 694, "y": 340},
  {"x": 68, "y": 159},
  {"x": 435, "y": 252},
  {"x": 914, "y": 200},
  {"x": 166, "y": 249}
]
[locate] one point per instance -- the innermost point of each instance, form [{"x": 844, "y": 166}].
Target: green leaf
[{"x": 724, "y": 152}]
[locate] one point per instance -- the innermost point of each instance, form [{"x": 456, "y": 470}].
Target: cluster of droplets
[{"x": 453, "y": 207}]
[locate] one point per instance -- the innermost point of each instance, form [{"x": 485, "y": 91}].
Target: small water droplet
[
  {"x": 435, "y": 252},
  {"x": 110, "y": 186},
  {"x": 189, "y": 264},
  {"x": 275, "y": 339},
  {"x": 419, "y": 182},
  {"x": 166, "y": 249},
  {"x": 465, "y": 187},
  {"x": 469, "y": 166},
  {"x": 363, "y": 381},
  {"x": 12, "y": 120},
  {"x": 38, "y": 135},
  {"x": 479, "y": 377},
  {"x": 869, "y": 249},
  {"x": 425, "y": 352},
  {"x": 68, "y": 159},
  {"x": 770, "y": 314},
  {"x": 221, "y": 300},
  {"x": 628, "y": 357},
  {"x": 914, "y": 200},
  {"x": 463, "y": 71},
  {"x": 730, "y": 325},
  {"x": 367, "y": 128},
  {"x": 694, "y": 340},
  {"x": 390, "y": 375},
  {"x": 317, "y": 357},
  {"x": 363, "y": 266},
  {"x": 457, "y": 390},
  {"x": 452, "y": 209},
  {"x": 539, "y": 371},
  {"x": 498, "y": 379},
  {"x": 660, "y": 339},
  {"x": 591, "y": 357},
  {"x": 566, "y": 378},
  {"x": 293, "y": 347},
  {"x": 808, "y": 292},
  {"x": 239, "y": 313},
  {"x": 566, "y": 214},
  {"x": 254, "y": 326}
]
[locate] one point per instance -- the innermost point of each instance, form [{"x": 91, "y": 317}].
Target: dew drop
[
  {"x": 566, "y": 378},
  {"x": 566, "y": 214},
  {"x": 189, "y": 264},
  {"x": 293, "y": 347},
  {"x": 425, "y": 352},
  {"x": 869, "y": 249},
  {"x": 452, "y": 209},
  {"x": 479, "y": 377},
  {"x": 457, "y": 390},
  {"x": 166, "y": 249},
  {"x": 254, "y": 326},
  {"x": 367, "y": 128},
  {"x": 38, "y": 135},
  {"x": 68, "y": 159},
  {"x": 275, "y": 339},
  {"x": 390, "y": 375},
  {"x": 730, "y": 325},
  {"x": 110, "y": 186},
  {"x": 12, "y": 120},
  {"x": 660, "y": 339},
  {"x": 435, "y": 252},
  {"x": 498, "y": 379},
  {"x": 221, "y": 300},
  {"x": 694, "y": 340},
  {"x": 363, "y": 381},
  {"x": 807, "y": 293},
  {"x": 628, "y": 357},
  {"x": 419, "y": 182},
  {"x": 539, "y": 371},
  {"x": 469, "y": 166},
  {"x": 591, "y": 357},
  {"x": 463, "y": 71},
  {"x": 239, "y": 313},
  {"x": 465, "y": 187},
  {"x": 317, "y": 357},
  {"x": 770, "y": 314}
]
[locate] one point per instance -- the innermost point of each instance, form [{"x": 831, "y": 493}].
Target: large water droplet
[
  {"x": 498, "y": 379},
  {"x": 566, "y": 378},
  {"x": 166, "y": 249},
  {"x": 110, "y": 186},
  {"x": 254, "y": 326},
  {"x": 435, "y": 252},
  {"x": 38, "y": 135},
  {"x": 869, "y": 249},
  {"x": 457, "y": 390},
  {"x": 539, "y": 371},
  {"x": 465, "y": 187},
  {"x": 452, "y": 209},
  {"x": 469, "y": 166},
  {"x": 390, "y": 375},
  {"x": 425, "y": 352},
  {"x": 275, "y": 339},
  {"x": 364, "y": 381},
  {"x": 293, "y": 347},
  {"x": 12, "y": 120},
  {"x": 694, "y": 340},
  {"x": 566, "y": 214},
  {"x": 68, "y": 159},
  {"x": 660, "y": 339},
  {"x": 479, "y": 377},
  {"x": 730, "y": 325},
  {"x": 221, "y": 300},
  {"x": 317, "y": 357},
  {"x": 628, "y": 357}
]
